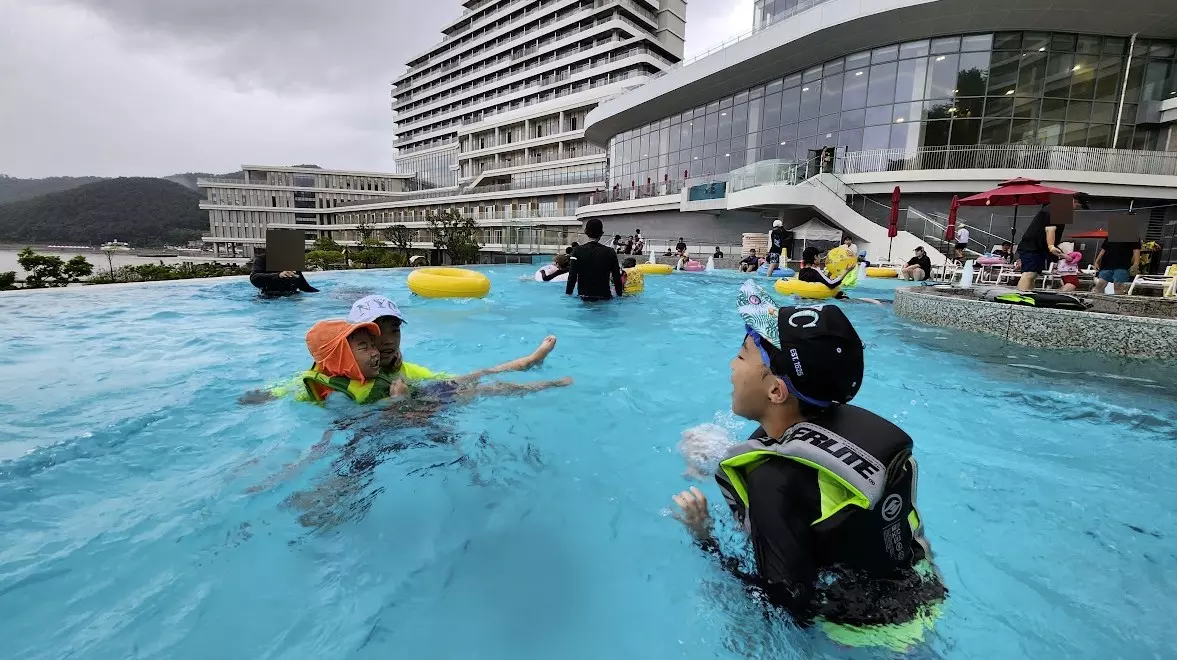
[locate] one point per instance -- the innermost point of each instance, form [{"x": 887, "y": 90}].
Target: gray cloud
[
  {"x": 152, "y": 87},
  {"x": 283, "y": 44}
]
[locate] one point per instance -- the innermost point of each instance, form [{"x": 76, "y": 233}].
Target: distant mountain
[
  {"x": 188, "y": 179},
  {"x": 140, "y": 211},
  {"x": 13, "y": 189}
]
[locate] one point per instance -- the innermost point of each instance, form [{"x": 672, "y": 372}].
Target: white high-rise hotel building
[{"x": 490, "y": 121}]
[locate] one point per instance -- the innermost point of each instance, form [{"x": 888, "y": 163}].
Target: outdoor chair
[{"x": 1167, "y": 283}]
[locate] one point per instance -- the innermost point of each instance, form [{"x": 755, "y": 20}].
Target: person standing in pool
[
  {"x": 593, "y": 266},
  {"x": 275, "y": 284},
  {"x": 825, "y": 490}
]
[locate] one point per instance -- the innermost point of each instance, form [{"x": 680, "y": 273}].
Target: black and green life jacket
[{"x": 868, "y": 518}]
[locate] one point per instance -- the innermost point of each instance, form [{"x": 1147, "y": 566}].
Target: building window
[{"x": 952, "y": 91}]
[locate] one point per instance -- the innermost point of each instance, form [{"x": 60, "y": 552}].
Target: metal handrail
[
  {"x": 940, "y": 220},
  {"x": 1012, "y": 156}
]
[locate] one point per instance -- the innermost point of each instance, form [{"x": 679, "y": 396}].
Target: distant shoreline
[{"x": 97, "y": 252}]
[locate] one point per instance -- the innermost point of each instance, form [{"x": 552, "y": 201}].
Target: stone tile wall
[{"x": 1132, "y": 336}]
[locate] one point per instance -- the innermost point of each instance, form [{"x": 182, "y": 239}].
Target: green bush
[
  {"x": 325, "y": 259},
  {"x": 48, "y": 271},
  {"x": 164, "y": 272},
  {"x": 374, "y": 254},
  {"x": 7, "y": 280}
]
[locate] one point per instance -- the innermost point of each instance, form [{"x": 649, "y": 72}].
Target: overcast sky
[{"x": 155, "y": 87}]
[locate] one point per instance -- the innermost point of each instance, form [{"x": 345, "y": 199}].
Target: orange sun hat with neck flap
[{"x": 327, "y": 342}]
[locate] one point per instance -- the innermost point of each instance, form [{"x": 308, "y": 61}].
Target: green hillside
[
  {"x": 140, "y": 211},
  {"x": 13, "y": 189}
]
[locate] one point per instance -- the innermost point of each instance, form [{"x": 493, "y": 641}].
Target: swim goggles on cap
[{"x": 756, "y": 339}]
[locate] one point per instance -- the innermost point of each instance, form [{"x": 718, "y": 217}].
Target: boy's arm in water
[
  {"x": 265, "y": 395},
  {"x": 781, "y": 535}
]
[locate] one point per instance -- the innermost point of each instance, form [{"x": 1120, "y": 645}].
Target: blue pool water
[{"x": 139, "y": 516}]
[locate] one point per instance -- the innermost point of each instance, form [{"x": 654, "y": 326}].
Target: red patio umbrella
[
  {"x": 893, "y": 223},
  {"x": 950, "y": 230},
  {"x": 1015, "y": 193}
]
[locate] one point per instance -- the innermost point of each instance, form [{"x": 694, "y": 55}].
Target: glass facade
[
  {"x": 1004, "y": 88},
  {"x": 433, "y": 170},
  {"x": 768, "y": 12}
]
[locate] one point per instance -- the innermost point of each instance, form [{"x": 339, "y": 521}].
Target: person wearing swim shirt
[
  {"x": 274, "y": 284},
  {"x": 824, "y": 490},
  {"x": 592, "y": 267},
  {"x": 811, "y": 272}
]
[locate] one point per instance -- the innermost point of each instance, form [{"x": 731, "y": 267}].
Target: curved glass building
[{"x": 936, "y": 96}]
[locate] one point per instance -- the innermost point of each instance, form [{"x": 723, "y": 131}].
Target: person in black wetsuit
[
  {"x": 271, "y": 283},
  {"x": 824, "y": 490},
  {"x": 593, "y": 265}
]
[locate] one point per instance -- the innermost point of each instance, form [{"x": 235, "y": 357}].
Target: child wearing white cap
[{"x": 385, "y": 313}]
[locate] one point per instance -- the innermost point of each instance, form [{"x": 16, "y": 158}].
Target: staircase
[
  {"x": 932, "y": 228},
  {"x": 828, "y": 196}
]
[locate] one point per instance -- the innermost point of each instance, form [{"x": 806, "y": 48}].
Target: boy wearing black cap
[{"x": 825, "y": 490}]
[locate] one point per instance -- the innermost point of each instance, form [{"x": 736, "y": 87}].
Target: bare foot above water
[{"x": 537, "y": 358}]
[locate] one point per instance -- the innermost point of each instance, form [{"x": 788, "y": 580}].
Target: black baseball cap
[{"x": 814, "y": 349}]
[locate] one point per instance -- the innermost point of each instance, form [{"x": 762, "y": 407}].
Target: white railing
[
  {"x": 1012, "y": 156},
  {"x": 804, "y": 5}
]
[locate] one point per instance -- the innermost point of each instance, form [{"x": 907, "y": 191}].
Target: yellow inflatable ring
[
  {"x": 814, "y": 290},
  {"x": 448, "y": 283},
  {"x": 878, "y": 271},
  {"x": 655, "y": 269}
]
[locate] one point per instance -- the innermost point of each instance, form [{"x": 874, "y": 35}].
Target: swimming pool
[{"x": 138, "y": 518}]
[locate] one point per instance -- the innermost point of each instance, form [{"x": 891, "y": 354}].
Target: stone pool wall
[{"x": 1118, "y": 334}]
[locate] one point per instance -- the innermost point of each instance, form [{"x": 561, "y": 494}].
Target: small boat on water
[{"x": 116, "y": 246}]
